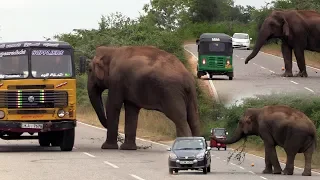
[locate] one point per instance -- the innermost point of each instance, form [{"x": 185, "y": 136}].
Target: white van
[{"x": 240, "y": 40}]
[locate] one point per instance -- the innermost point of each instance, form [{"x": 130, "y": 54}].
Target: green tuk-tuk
[{"x": 215, "y": 55}]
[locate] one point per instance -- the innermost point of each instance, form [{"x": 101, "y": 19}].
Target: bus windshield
[
  {"x": 14, "y": 64},
  {"x": 46, "y": 63}
]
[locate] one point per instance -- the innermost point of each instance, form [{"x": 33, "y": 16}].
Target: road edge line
[
  {"x": 212, "y": 87},
  {"x": 292, "y": 61}
]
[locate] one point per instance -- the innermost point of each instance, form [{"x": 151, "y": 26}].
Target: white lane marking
[
  {"x": 136, "y": 177},
  {"x": 292, "y": 61},
  {"x": 242, "y": 58},
  {"x": 263, "y": 177},
  {"x": 255, "y": 64},
  {"x": 215, "y": 93},
  {"x": 263, "y": 67},
  {"x": 280, "y": 162},
  {"x": 88, "y": 154},
  {"x": 232, "y": 164},
  {"x": 224, "y": 160},
  {"x": 218, "y": 157},
  {"x": 237, "y": 56},
  {"x": 308, "y": 89},
  {"x": 272, "y": 71},
  {"x": 294, "y": 82},
  {"x": 74, "y": 148},
  {"x": 110, "y": 164},
  {"x": 241, "y": 167},
  {"x": 252, "y": 172}
]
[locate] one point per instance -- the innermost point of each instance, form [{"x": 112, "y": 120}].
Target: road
[
  {"x": 25, "y": 160},
  {"x": 260, "y": 76}
]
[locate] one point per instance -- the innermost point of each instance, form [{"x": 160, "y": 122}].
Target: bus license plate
[
  {"x": 186, "y": 162},
  {"x": 31, "y": 126}
]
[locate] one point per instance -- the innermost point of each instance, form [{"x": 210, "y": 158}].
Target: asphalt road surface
[
  {"x": 260, "y": 76},
  {"x": 25, "y": 160}
]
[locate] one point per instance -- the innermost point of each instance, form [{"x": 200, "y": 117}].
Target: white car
[{"x": 241, "y": 40}]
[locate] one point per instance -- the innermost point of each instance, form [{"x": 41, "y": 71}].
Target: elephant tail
[{"x": 192, "y": 112}]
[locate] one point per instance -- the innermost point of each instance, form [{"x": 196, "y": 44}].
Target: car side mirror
[
  {"x": 82, "y": 64},
  {"x": 208, "y": 148},
  {"x": 168, "y": 149},
  {"x": 197, "y": 42}
]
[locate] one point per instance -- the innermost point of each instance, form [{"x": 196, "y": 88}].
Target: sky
[{"x": 34, "y": 19}]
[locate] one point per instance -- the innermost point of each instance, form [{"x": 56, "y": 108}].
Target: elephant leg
[
  {"x": 268, "y": 164},
  {"x": 299, "y": 53},
  {"x": 176, "y": 111},
  {"x": 113, "y": 108},
  {"x": 271, "y": 154},
  {"x": 288, "y": 170},
  {"x": 130, "y": 128},
  {"x": 287, "y": 56},
  {"x": 307, "y": 161}
]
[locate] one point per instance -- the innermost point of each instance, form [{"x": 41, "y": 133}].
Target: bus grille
[{"x": 33, "y": 99}]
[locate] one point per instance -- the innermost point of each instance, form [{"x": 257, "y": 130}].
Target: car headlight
[
  {"x": 1, "y": 114},
  {"x": 200, "y": 156},
  {"x": 172, "y": 156},
  {"x": 61, "y": 113}
]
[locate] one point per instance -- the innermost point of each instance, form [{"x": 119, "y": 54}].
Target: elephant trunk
[
  {"x": 235, "y": 138},
  {"x": 96, "y": 102},
  {"x": 264, "y": 35}
]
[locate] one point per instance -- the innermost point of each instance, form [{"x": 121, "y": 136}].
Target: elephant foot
[
  {"x": 107, "y": 145},
  {"x": 288, "y": 171},
  {"x": 287, "y": 74},
  {"x": 277, "y": 171},
  {"x": 301, "y": 74},
  {"x": 267, "y": 171},
  {"x": 306, "y": 172},
  {"x": 128, "y": 146}
]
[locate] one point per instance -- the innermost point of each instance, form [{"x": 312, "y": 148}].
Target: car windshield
[
  {"x": 219, "y": 132},
  {"x": 14, "y": 64},
  {"x": 241, "y": 36},
  {"x": 188, "y": 144},
  {"x": 46, "y": 63}
]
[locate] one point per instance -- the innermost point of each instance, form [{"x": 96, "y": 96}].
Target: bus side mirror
[
  {"x": 82, "y": 64},
  {"x": 197, "y": 42}
]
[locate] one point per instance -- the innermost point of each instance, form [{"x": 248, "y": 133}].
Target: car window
[
  {"x": 241, "y": 36},
  {"x": 186, "y": 144}
]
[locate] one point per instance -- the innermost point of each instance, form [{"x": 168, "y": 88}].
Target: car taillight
[{"x": 203, "y": 61}]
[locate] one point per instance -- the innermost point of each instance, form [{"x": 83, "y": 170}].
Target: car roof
[
  {"x": 43, "y": 44},
  {"x": 191, "y": 138}
]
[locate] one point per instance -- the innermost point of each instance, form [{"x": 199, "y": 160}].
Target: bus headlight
[
  {"x": 1, "y": 114},
  {"x": 61, "y": 113}
]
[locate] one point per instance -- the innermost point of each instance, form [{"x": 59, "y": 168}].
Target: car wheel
[
  {"x": 209, "y": 168},
  {"x": 170, "y": 170},
  {"x": 225, "y": 148},
  {"x": 218, "y": 149},
  {"x": 176, "y": 170},
  {"x": 204, "y": 170},
  {"x": 67, "y": 140}
]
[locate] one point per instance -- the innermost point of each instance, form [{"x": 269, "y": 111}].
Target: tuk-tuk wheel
[
  {"x": 230, "y": 78},
  {"x": 176, "y": 170},
  {"x": 170, "y": 170},
  {"x": 218, "y": 149}
]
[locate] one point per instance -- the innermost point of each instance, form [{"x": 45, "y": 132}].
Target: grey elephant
[
  {"x": 141, "y": 77},
  {"x": 299, "y": 31},
  {"x": 278, "y": 125}
]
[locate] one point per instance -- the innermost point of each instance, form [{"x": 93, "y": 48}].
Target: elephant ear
[
  {"x": 286, "y": 28},
  {"x": 98, "y": 67}
]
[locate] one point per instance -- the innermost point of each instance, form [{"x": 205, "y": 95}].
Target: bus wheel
[
  {"x": 67, "y": 140},
  {"x": 44, "y": 139}
]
